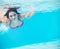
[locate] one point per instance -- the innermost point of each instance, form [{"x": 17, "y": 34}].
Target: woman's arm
[
  {"x": 28, "y": 14},
  {"x": 2, "y": 17}
]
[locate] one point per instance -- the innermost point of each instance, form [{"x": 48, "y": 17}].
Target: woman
[{"x": 13, "y": 18}]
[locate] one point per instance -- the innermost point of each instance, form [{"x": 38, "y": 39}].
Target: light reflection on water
[{"x": 46, "y": 45}]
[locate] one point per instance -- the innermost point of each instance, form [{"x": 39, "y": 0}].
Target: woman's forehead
[{"x": 11, "y": 12}]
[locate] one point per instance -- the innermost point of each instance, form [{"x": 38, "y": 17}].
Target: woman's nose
[{"x": 13, "y": 17}]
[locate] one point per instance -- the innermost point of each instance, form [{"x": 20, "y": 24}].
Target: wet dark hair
[{"x": 11, "y": 10}]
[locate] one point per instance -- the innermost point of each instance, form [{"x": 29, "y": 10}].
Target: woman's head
[
  {"x": 12, "y": 13},
  {"x": 14, "y": 18}
]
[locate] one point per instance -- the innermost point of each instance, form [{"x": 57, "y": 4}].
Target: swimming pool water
[{"x": 41, "y": 27}]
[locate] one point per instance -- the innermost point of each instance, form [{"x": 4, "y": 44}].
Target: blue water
[{"x": 41, "y": 27}]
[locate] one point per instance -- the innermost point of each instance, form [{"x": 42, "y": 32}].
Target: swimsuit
[{"x": 14, "y": 23}]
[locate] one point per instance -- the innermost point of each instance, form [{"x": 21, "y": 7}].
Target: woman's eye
[
  {"x": 11, "y": 16},
  {"x": 14, "y": 14}
]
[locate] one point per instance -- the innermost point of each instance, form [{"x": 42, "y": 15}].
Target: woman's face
[
  {"x": 14, "y": 20},
  {"x": 12, "y": 15}
]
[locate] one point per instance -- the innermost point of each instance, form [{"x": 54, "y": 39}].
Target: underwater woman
[{"x": 12, "y": 17}]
